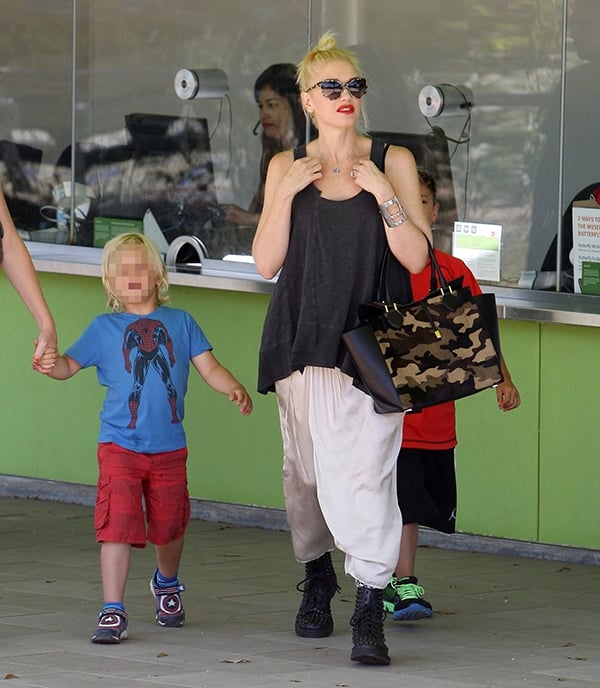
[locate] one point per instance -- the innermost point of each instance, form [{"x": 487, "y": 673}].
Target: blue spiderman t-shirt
[{"x": 144, "y": 362}]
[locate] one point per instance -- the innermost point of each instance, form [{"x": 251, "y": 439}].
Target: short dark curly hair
[{"x": 428, "y": 180}]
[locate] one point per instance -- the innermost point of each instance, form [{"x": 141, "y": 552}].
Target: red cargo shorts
[{"x": 141, "y": 497}]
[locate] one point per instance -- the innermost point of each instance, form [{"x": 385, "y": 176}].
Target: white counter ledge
[
  {"x": 513, "y": 303},
  {"x": 215, "y": 274}
]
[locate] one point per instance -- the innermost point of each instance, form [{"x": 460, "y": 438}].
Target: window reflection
[
  {"x": 552, "y": 205},
  {"x": 165, "y": 166},
  {"x": 128, "y": 54}
]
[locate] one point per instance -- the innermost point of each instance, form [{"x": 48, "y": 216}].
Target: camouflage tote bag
[{"x": 427, "y": 352}]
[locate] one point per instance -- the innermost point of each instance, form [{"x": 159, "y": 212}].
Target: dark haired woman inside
[{"x": 283, "y": 123}]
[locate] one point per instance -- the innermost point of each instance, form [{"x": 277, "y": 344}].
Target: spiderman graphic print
[
  {"x": 149, "y": 339},
  {"x": 144, "y": 362}
]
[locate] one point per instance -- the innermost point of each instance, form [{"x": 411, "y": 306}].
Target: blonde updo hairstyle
[
  {"x": 325, "y": 50},
  {"x": 108, "y": 267}
]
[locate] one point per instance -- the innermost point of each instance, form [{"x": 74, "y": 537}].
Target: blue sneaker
[
  {"x": 112, "y": 626},
  {"x": 169, "y": 610},
  {"x": 403, "y": 599}
]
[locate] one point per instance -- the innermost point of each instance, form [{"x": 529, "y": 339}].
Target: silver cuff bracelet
[{"x": 393, "y": 219}]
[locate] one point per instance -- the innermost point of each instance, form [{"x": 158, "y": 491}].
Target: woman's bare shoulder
[
  {"x": 282, "y": 161},
  {"x": 400, "y": 152},
  {"x": 400, "y": 156}
]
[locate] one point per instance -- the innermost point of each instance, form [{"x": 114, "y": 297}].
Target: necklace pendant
[{"x": 336, "y": 170}]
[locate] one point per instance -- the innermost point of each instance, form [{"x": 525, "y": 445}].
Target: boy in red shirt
[{"x": 426, "y": 474}]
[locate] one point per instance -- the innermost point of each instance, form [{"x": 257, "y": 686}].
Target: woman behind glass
[
  {"x": 328, "y": 214},
  {"x": 283, "y": 125}
]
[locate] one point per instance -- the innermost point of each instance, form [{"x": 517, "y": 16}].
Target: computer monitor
[
  {"x": 432, "y": 154},
  {"x": 165, "y": 166},
  {"x": 183, "y": 141},
  {"x": 155, "y": 134},
  {"x": 22, "y": 187}
]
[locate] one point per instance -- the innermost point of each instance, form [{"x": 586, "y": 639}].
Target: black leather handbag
[{"x": 435, "y": 349}]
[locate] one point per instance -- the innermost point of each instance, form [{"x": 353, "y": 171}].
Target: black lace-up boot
[
  {"x": 314, "y": 618},
  {"x": 367, "y": 627}
]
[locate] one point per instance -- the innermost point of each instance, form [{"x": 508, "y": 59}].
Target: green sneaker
[
  {"x": 390, "y": 596},
  {"x": 403, "y": 599}
]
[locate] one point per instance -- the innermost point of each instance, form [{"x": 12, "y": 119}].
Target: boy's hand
[
  {"x": 508, "y": 396},
  {"x": 242, "y": 399},
  {"x": 45, "y": 363}
]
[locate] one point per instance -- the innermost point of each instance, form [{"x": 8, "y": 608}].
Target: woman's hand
[
  {"x": 44, "y": 363},
  {"x": 234, "y": 215},
  {"x": 299, "y": 175},
  {"x": 369, "y": 177}
]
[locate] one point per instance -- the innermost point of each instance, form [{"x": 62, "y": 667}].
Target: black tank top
[{"x": 331, "y": 267}]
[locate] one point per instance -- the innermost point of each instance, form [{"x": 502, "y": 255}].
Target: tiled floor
[{"x": 500, "y": 621}]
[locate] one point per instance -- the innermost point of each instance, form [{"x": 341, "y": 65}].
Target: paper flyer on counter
[
  {"x": 586, "y": 247},
  {"x": 478, "y": 245}
]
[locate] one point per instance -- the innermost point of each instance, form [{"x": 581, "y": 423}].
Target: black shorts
[{"x": 427, "y": 488}]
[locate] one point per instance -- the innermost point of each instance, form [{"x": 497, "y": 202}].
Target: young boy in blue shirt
[{"x": 142, "y": 353}]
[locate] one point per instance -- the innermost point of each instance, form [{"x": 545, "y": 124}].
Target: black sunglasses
[{"x": 333, "y": 88}]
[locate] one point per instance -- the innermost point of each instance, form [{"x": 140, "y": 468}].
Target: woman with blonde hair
[{"x": 331, "y": 207}]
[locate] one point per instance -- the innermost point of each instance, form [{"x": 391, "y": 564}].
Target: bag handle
[
  {"x": 436, "y": 271},
  {"x": 385, "y": 293}
]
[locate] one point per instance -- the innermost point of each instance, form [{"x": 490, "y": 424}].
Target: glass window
[
  {"x": 107, "y": 137},
  {"x": 145, "y": 145},
  {"x": 137, "y": 145},
  {"x": 580, "y": 151},
  {"x": 35, "y": 110},
  {"x": 508, "y": 56}
]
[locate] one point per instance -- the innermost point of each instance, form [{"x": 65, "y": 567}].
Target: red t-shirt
[{"x": 434, "y": 427}]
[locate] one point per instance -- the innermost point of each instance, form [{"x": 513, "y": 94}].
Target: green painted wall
[
  {"x": 49, "y": 428},
  {"x": 497, "y": 453},
  {"x": 570, "y": 436},
  {"x": 531, "y": 474}
]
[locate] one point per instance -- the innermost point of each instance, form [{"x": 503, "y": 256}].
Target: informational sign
[
  {"x": 586, "y": 247},
  {"x": 478, "y": 245},
  {"x": 106, "y": 228}
]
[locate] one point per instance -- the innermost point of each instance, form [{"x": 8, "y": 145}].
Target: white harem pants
[{"x": 339, "y": 473}]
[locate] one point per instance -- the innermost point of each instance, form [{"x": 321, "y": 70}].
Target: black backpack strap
[
  {"x": 378, "y": 150},
  {"x": 300, "y": 152}
]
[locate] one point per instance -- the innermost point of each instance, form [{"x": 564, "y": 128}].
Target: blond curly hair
[
  {"x": 325, "y": 50},
  {"x": 108, "y": 263}
]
